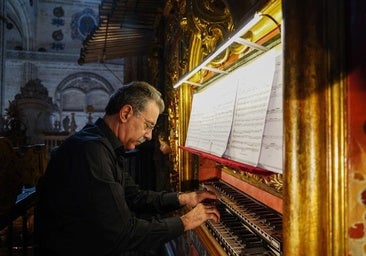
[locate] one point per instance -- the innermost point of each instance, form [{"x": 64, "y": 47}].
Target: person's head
[{"x": 132, "y": 112}]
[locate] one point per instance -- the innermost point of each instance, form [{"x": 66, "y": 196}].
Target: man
[{"x": 87, "y": 202}]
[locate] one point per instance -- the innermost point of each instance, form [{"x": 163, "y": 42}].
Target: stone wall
[{"x": 44, "y": 44}]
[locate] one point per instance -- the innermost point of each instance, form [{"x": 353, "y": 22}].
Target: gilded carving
[
  {"x": 237, "y": 48},
  {"x": 270, "y": 182},
  {"x": 211, "y": 24},
  {"x": 196, "y": 28}
]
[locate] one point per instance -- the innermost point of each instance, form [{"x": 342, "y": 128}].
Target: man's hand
[
  {"x": 191, "y": 199},
  {"x": 199, "y": 215}
]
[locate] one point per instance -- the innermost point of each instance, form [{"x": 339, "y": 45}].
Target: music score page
[
  {"x": 239, "y": 116},
  {"x": 211, "y": 117}
]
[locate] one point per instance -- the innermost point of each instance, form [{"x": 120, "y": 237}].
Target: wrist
[
  {"x": 180, "y": 198},
  {"x": 185, "y": 222}
]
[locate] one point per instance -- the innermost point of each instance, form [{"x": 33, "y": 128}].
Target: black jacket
[{"x": 87, "y": 202}]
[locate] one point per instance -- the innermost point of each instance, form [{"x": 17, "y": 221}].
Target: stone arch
[
  {"x": 19, "y": 16},
  {"x": 84, "y": 88}
]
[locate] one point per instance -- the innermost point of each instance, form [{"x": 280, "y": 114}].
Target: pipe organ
[
  {"x": 226, "y": 126},
  {"x": 247, "y": 227}
]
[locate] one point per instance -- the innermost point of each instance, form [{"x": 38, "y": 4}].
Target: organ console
[
  {"x": 247, "y": 227},
  {"x": 212, "y": 146}
]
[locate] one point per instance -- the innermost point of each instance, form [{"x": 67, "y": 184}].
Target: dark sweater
[{"x": 87, "y": 202}]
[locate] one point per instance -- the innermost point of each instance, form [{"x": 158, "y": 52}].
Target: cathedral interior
[{"x": 61, "y": 60}]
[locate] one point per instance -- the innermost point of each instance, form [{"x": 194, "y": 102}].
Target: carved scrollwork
[
  {"x": 237, "y": 48},
  {"x": 194, "y": 29},
  {"x": 272, "y": 183},
  {"x": 212, "y": 23}
]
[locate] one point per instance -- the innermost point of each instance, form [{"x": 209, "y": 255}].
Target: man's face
[{"x": 138, "y": 126}]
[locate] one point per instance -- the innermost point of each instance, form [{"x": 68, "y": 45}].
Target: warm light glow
[{"x": 235, "y": 38}]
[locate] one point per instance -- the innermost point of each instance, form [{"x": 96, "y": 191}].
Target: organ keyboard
[{"x": 247, "y": 227}]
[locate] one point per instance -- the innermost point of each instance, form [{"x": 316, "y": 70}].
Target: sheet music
[
  {"x": 271, "y": 150},
  {"x": 223, "y": 102},
  {"x": 255, "y": 82},
  {"x": 211, "y": 117},
  {"x": 196, "y": 123},
  {"x": 240, "y": 116}
]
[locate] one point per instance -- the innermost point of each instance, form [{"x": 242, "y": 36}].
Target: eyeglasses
[{"x": 149, "y": 126}]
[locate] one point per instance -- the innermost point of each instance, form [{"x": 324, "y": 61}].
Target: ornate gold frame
[{"x": 315, "y": 125}]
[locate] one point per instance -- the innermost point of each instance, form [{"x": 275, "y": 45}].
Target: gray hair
[{"x": 137, "y": 94}]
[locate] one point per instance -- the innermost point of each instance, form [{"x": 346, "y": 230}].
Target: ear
[{"x": 125, "y": 112}]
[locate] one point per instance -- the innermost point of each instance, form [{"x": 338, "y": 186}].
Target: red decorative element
[
  {"x": 358, "y": 176},
  {"x": 227, "y": 162},
  {"x": 357, "y": 231},
  {"x": 363, "y": 197},
  {"x": 208, "y": 170},
  {"x": 266, "y": 198}
]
